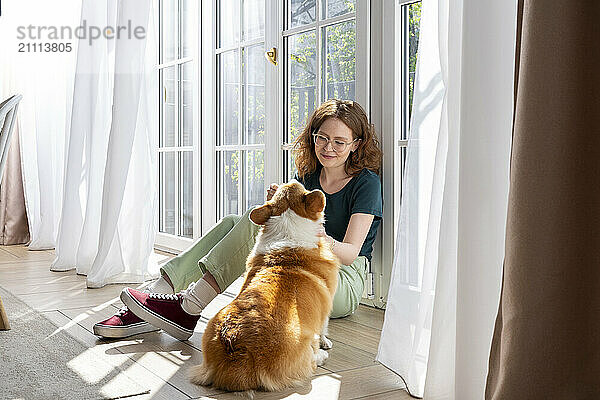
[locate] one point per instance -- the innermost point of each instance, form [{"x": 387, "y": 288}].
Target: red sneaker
[
  {"x": 161, "y": 310},
  {"x": 124, "y": 323}
]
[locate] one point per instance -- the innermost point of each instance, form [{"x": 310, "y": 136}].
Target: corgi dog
[{"x": 270, "y": 336}]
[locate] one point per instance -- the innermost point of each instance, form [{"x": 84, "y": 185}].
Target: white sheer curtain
[
  {"x": 437, "y": 330},
  {"x": 110, "y": 198},
  {"x": 46, "y": 82}
]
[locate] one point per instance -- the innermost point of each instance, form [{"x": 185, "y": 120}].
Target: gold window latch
[{"x": 271, "y": 55}]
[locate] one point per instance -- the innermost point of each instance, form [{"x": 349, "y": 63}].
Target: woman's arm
[{"x": 357, "y": 231}]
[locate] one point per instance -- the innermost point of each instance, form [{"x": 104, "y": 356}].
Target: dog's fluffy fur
[{"x": 268, "y": 337}]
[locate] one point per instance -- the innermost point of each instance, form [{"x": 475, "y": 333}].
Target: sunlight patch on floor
[
  {"x": 106, "y": 304},
  {"x": 174, "y": 357},
  {"x": 138, "y": 372},
  {"x": 83, "y": 316},
  {"x": 72, "y": 323},
  {"x": 323, "y": 387},
  {"x": 164, "y": 362},
  {"x": 90, "y": 369}
]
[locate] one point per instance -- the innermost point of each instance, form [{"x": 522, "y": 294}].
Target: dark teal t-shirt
[{"x": 361, "y": 195}]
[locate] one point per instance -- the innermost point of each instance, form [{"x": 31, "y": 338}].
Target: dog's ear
[
  {"x": 261, "y": 214},
  {"x": 315, "y": 201}
]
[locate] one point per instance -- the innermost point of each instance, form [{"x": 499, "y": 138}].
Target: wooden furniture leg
[{"x": 4, "y": 325}]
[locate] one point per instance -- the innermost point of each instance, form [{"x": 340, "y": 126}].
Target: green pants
[{"x": 223, "y": 250}]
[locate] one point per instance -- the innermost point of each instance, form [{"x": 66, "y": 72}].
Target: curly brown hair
[{"x": 368, "y": 153}]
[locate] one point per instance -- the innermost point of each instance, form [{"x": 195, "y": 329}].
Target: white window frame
[
  {"x": 402, "y": 118},
  {"x": 166, "y": 241},
  {"x": 242, "y": 149},
  {"x": 208, "y": 91},
  {"x": 209, "y": 183},
  {"x": 384, "y": 100},
  {"x": 387, "y": 114}
]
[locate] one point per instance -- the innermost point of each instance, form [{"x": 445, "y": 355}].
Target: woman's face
[{"x": 337, "y": 133}]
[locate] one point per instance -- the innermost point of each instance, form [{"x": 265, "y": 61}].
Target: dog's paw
[
  {"x": 325, "y": 343},
  {"x": 320, "y": 357}
]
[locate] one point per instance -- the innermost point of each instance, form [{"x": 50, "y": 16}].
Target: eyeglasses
[{"x": 339, "y": 146}]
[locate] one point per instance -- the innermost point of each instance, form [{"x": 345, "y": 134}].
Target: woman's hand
[
  {"x": 327, "y": 238},
  {"x": 271, "y": 191}
]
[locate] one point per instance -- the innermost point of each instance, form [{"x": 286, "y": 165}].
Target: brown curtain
[
  {"x": 546, "y": 343},
  {"x": 14, "y": 228}
]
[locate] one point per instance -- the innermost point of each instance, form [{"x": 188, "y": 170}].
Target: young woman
[{"x": 338, "y": 153}]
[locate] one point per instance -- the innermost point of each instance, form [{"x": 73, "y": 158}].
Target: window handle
[{"x": 271, "y": 55}]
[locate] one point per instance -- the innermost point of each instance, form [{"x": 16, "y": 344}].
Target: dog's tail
[
  {"x": 239, "y": 371},
  {"x": 228, "y": 338},
  {"x": 227, "y": 363},
  {"x": 229, "y": 345},
  {"x": 230, "y": 365}
]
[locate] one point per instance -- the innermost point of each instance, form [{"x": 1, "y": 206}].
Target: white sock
[
  {"x": 160, "y": 286},
  {"x": 197, "y": 296}
]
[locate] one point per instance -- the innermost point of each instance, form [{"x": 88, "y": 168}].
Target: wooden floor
[{"x": 160, "y": 362}]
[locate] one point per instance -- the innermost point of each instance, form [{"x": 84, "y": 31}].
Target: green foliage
[
  {"x": 414, "y": 21},
  {"x": 302, "y": 80},
  {"x": 341, "y": 59}
]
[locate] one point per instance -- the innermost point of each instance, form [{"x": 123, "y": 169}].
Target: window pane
[
  {"x": 414, "y": 21},
  {"x": 340, "y": 51},
  {"x": 254, "y": 64},
  {"x": 187, "y": 197},
  {"x": 230, "y": 169},
  {"x": 254, "y": 19},
  {"x": 333, "y": 8},
  {"x": 229, "y": 89},
  {"x": 187, "y": 29},
  {"x": 168, "y": 30},
  {"x": 229, "y": 22},
  {"x": 255, "y": 166},
  {"x": 301, "y": 81},
  {"x": 300, "y": 12},
  {"x": 187, "y": 112},
  {"x": 168, "y": 77},
  {"x": 291, "y": 170},
  {"x": 167, "y": 167}
]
